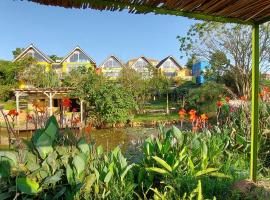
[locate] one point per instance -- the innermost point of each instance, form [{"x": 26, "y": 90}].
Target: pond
[{"x": 126, "y": 138}]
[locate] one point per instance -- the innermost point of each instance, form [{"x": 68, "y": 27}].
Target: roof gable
[
  {"x": 78, "y": 49},
  {"x": 142, "y": 58},
  {"x": 111, "y": 57},
  {"x": 32, "y": 48},
  {"x": 160, "y": 64}
]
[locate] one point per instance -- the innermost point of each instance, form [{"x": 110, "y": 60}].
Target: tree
[
  {"x": 107, "y": 101},
  {"x": 162, "y": 85},
  {"x": 191, "y": 60},
  {"x": 208, "y": 39},
  {"x": 136, "y": 84},
  {"x": 55, "y": 58},
  {"x": 219, "y": 64},
  {"x": 9, "y": 78},
  {"x": 37, "y": 75},
  {"x": 17, "y": 52}
]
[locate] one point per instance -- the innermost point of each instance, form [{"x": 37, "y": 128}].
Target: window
[
  {"x": 112, "y": 63},
  {"x": 140, "y": 64},
  {"x": 35, "y": 55},
  {"x": 83, "y": 58},
  {"x": 73, "y": 58},
  {"x": 169, "y": 64},
  {"x": 170, "y": 74},
  {"x": 78, "y": 57}
]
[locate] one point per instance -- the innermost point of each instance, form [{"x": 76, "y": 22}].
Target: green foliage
[
  {"x": 55, "y": 57},
  {"x": 204, "y": 98},
  {"x": 135, "y": 84},
  {"x": 109, "y": 102},
  {"x": 173, "y": 165},
  {"x": 17, "y": 52},
  {"x": 228, "y": 48},
  {"x": 39, "y": 76},
  {"x": 8, "y": 78},
  {"x": 191, "y": 61}
]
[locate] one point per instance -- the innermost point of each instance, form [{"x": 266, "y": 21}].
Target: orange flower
[
  {"x": 261, "y": 94},
  {"x": 227, "y": 99},
  {"x": 192, "y": 112},
  {"x": 182, "y": 113},
  {"x": 66, "y": 102},
  {"x": 219, "y": 104},
  {"x": 76, "y": 120},
  {"x": 266, "y": 89},
  {"x": 243, "y": 98},
  {"x": 13, "y": 113},
  {"x": 192, "y": 117},
  {"x": 204, "y": 117},
  {"x": 88, "y": 128}
]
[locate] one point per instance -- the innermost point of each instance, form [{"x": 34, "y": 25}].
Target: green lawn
[
  {"x": 155, "y": 117},
  {"x": 159, "y": 104},
  {"x": 8, "y": 105}
]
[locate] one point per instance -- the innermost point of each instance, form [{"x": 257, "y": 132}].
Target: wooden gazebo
[
  {"x": 250, "y": 12},
  {"x": 49, "y": 93}
]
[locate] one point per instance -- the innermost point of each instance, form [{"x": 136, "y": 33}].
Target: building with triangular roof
[
  {"x": 143, "y": 65},
  {"x": 77, "y": 57},
  {"x": 170, "y": 68},
  {"x": 111, "y": 67},
  {"x": 41, "y": 58},
  {"x": 34, "y": 52}
]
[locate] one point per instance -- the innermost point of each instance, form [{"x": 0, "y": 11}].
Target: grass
[
  {"x": 155, "y": 117},
  {"x": 159, "y": 104},
  {"x": 9, "y": 105}
]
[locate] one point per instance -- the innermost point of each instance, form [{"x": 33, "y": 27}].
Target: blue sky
[{"x": 57, "y": 31}]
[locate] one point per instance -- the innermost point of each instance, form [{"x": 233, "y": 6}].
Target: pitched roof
[
  {"x": 31, "y": 46},
  {"x": 114, "y": 57},
  {"x": 165, "y": 59},
  {"x": 75, "y": 49},
  {"x": 148, "y": 60}
]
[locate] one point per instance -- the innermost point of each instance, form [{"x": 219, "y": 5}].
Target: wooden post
[
  {"x": 17, "y": 95},
  {"x": 50, "y": 95},
  {"x": 255, "y": 102},
  {"x": 81, "y": 112},
  {"x": 51, "y": 106}
]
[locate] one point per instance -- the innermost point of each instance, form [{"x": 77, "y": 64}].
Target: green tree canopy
[
  {"x": 17, "y": 52},
  {"x": 227, "y": 45}
]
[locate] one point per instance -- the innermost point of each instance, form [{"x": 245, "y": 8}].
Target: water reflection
[{"x": 128, "y": 139}]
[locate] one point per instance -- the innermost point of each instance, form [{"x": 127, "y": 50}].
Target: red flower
[
  {"x": 227, "y": 99},
  {"x": 13, "y": 113},
  {"x": 74, "y": 110},
  {"x": 66, "y": 102},
  {"x": 29, "y": 117},
  {"x": 219, "y": 104}
]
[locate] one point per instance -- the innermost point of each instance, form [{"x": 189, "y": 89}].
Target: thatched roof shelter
[{"x": 239, "y": 11}]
